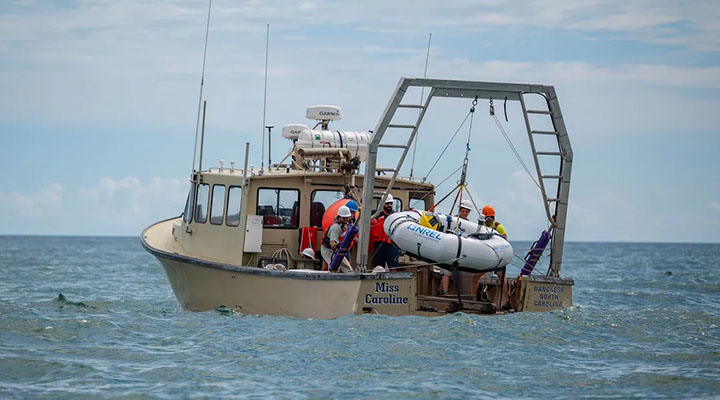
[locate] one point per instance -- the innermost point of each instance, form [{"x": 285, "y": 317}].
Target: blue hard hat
[{"x": 352, "y": 205}]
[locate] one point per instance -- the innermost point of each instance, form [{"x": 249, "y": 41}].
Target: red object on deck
[{"x": 308, "y": 238}]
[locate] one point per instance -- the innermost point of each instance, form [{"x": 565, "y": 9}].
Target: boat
[{"x": 240, "y": 238}]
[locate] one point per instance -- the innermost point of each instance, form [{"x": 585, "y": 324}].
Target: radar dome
[
  {"x": 292, "y": 131},
  {"x": 324, "y": 113}
]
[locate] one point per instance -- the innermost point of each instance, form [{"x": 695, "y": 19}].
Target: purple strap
[
  {"x": 344, "y": 248},
  {"x": 534, "y": 255}
]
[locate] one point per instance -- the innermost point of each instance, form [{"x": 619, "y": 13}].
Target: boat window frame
[
  {"x": 188, "y": 210},
  {"x": 413, "y": 202},
  {"x": 395, "y": 201},
  {"x": 418, "y": 196},
  {"x": 207, "y": 212},
  {"x": 312, "y": 194},
  {"x": 212, "y": 201},
  {"x": 227, "y": 205},
  {"x": 277, "y": 206}
]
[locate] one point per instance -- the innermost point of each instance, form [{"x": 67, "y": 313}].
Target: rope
[
  {"x": 472, "y": 117},
  {"x": 437, "y": 186},
  {"x": 448, "y": 177},
  {"x": 443, "y": 199},
  {"x": 284, "y": 252},
  {"x": 448, "y": 145},
  {"x": 461, "y": 183},
  {"x": 463, "y": 176},
  {"x": 514, "y": 150},
  {"x": 422, "y": 99},
  {"x": 458, "y": 195}
]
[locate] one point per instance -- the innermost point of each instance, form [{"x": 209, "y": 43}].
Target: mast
[
  {"x": 193, "y": 176},
  {"x": 267, "y": 47},
  {"x": 202, "y": 84}
]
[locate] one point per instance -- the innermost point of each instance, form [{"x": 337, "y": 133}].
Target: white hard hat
[
  {"x": 309, "y": 253},
  {"x": 389, "y": 199},
  {"x": 466, "y": 204},
  {"x": 344, "y": 212}
]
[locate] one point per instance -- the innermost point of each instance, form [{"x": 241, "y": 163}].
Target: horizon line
[{"x": 511, "y": 240}]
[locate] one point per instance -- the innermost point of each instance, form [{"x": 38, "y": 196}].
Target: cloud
[
  {"x": 110, "y": 207},
  {"x": 127, "y": 204},
  {"x": 584, "y": 73},
  {"x": 133, "y": 24},
  {"x": 47, "y": 202},
  {"x": 148, "y": 54},
  {"x": 519, "y": 205},
  {"x": 612, "y": 213},
  {"x": 601, "y": 102}
]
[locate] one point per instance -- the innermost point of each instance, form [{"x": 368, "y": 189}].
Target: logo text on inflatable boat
[{"x": 425, "y": 232}]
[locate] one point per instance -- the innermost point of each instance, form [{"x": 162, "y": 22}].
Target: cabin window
[
  {"x": 397, "y": 204},
  {"x": 418, "y": 204},
  {"x": 187, "y": 214},
  {"x": 201, "y": 202},
  {"x": 233, "y": 206},
  {"x": 420, "y": 200},
  {"x": 320, "y": 201},
  {"x": 217, "y": 207},
  {"x": 280, "y": 208}
]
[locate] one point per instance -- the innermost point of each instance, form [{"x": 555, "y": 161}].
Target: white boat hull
[
  {"x": 200, "y": 288},
  {"x": 201, "y": 285}
]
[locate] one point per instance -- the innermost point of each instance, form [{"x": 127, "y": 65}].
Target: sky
[{"x": 98, "y": 103}]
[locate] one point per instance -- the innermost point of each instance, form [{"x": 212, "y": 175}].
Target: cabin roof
[{"x": 269, "y": 173}]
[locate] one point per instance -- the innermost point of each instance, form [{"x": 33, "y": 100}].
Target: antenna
[
  {"x": 193, "y": 176},
  {"x": 202, "y": 135},
  {"x": 269, "y": 128},
  {"x": 422, "y": 95},
  {"x": 267, "y": 45},
  {"x": 202, "y": 83}
]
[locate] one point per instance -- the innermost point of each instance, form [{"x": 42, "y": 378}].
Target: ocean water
[{"x": 86, "y": 317}]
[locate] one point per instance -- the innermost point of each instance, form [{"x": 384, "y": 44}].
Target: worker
[
  {"x": 384, "y": 253},
  {"x": 489, "y": 216},
  {"x": 354, "y": 208},
  {"x": 463, "y": 213},
  {"x": 488, "y": 213},
  {"x": 333, "y": 236}
]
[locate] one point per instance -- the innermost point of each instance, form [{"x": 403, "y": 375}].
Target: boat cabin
[{"x": 283, "y": 209}]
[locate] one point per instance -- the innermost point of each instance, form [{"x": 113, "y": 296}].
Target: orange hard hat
[{"x": 488, "y": 211}]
